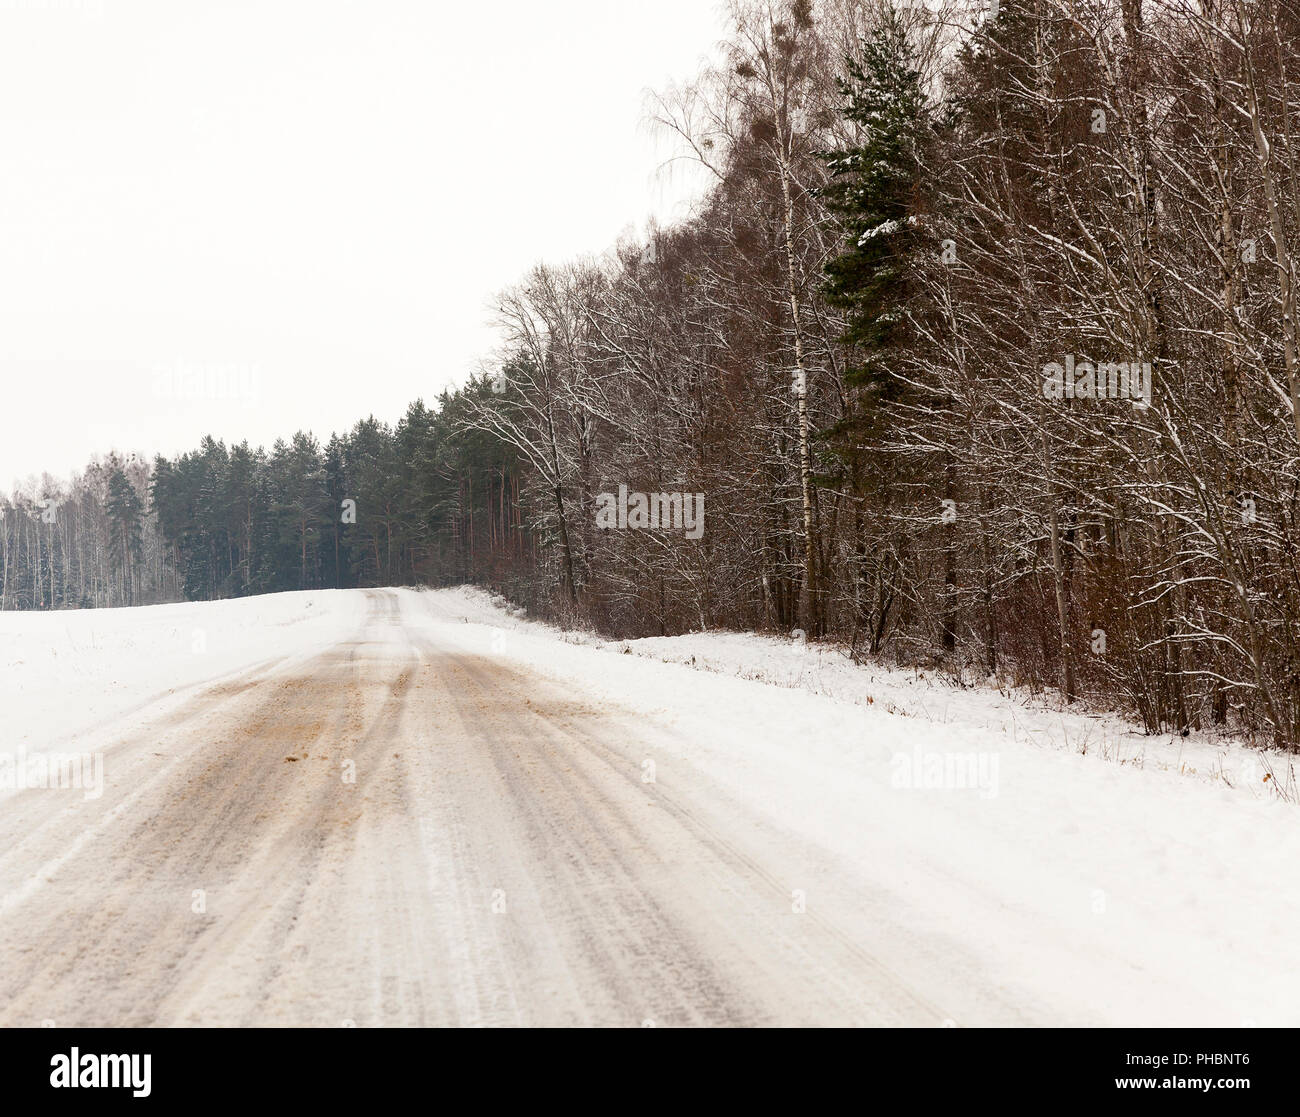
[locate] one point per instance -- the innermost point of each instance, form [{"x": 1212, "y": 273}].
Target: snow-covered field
[
  {"x": 78, "y": 676},
  {"x": 760, "y": 830}
]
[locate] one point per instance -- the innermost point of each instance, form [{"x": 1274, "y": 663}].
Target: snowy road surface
[{"x": 391, "y": 808}]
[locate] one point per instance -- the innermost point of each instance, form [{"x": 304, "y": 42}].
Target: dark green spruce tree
[{"x": 874, "y": 191}]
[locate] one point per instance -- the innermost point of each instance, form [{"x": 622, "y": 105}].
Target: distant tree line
[
  {"x": 379, "y": 505},
  {"x": 422, "y": 502},
  {"x": 982, "y": 348},
  {"x": 90, "y": 544}
]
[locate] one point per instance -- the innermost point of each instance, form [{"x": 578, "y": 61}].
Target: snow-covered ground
[
  {"x": 1165, "y": 856},
  {"x": 972, "y": 857},
  {"x": 934, "y": 698},
  {"x": 73, "y": 676}
]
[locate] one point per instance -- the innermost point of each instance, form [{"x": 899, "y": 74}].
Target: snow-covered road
[{"x": 397, "y": 808}]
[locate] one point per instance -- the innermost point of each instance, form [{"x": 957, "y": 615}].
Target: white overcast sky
[{"x": 305, "y": 203}]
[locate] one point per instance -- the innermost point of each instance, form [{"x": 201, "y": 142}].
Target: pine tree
[{"x": 125, "y": 510}]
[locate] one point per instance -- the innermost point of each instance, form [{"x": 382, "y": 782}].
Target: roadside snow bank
[{"x": 924, "y": 695}]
